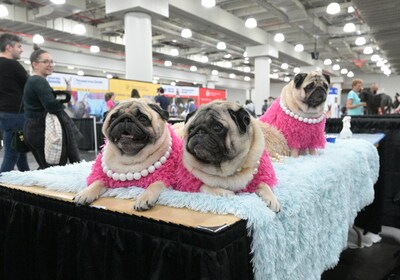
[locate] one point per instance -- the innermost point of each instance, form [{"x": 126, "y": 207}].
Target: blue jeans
[{"x": 10, "y": 122}]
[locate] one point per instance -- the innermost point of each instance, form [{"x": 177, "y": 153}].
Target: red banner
[{"x": 207, "y": 95}]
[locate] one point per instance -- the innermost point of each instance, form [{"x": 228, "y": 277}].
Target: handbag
[{"x": 18, "y": 143}]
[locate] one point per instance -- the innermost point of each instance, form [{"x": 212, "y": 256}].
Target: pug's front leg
[
  {"x": 294, "y": 153},
  {"x": 216, "y": 191},
  {"x": 266, "y": 194},
  {"x": 90, "y": 194},
  {"x": 312, "y": 152},
  {"x": 149, "y": 197}
]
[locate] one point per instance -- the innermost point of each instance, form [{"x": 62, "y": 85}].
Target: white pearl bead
[
  {"x": 151, "y": 169},
  {"x": 291, "y": 114},
  {"x": 296, "y": 117},
  {"x": 144, "y": 172},
  {"x": 305, "y": 119},
  {"x": 157, "y": 164},
  {"x": 287, "y": 111},
  {"x": 167, "y": 154},
  {"x": 301, "y": 119},
  {"x": 129, "y": 176},
  {"x": 122, "y": 177},
  {"x": 255, "y": 171},
  {"x": 137, "y": 176},
  {"x": 310, "y": 121},
  {"x": 103, "y": 164},
  {"x": 109, "y": 173},
  {"x": 115, "y": 176},
  {"x": 163, "y": 159},
  {"x": 105, "y": 169}
]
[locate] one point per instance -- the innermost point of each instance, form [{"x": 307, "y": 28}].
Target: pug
[
  {"x": 140, "y": 150},
  {"x": 224, "y": 153},
  {"x": 299, "y": 113}
]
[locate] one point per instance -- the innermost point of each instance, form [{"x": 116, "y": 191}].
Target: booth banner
[
  {"x": 93, "y": 84},
  {"x": 209, "y": 94},
  {"x": 184, "y": 92},
  {"x": 123, "y": 88}
]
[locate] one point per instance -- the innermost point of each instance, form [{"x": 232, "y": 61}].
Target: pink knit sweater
[
  {"x": 299, "y": 135},
  {"x": 166, "y": 173},
  {"x": 187, "y": 182}
]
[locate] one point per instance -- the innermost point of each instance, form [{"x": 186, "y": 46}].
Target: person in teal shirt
[{"x": 354, "y": 106}]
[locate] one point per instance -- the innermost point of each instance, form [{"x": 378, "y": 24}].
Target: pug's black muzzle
[
  {"x": 317, "y": 97},
  {"x": 129, "y": 135},
  {"x": 206, "y": 146}
]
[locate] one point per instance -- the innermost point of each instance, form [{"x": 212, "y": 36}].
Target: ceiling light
[
  {"x": 228, "y": 55},
  {"x": 380, "y": 63},
  {"x": 58, "y": 2},
  {"x": 109, "y": 76},
  {"x": 384, "y": 68},
  {"x": 228, "y": 64},
  {"x": 333, "y": 8},
  {"x": 279, "y": 37},
  {"x": 94, "y": 49},
  {"x": 387, "y": 72},
  {"x": 246, "y": 69},
  {"x": 368, "y": 50},
  {"x": 167, "y": 63},
  {"x": 193, "y": 68},
  {"x": 296, "y": 70},
  {"x": 173, "y": 84},
  {"x": 174, "y": 52},
  {"x": 360, "y": 41},
  {"x": 286, "y": 79},
  {"x": 221, "y": 46},
  {"x": 274, "y": 76},
  {"x": 344, "y": 71},
  {"x": 204, "y": 59},
  {"x": 349, "y": 27},
  {"x": 27, "y": 62},
  {"x": 375, "y": 57},
  {"x": 350, "y": 74},
  {"x": 214, "y": 72},
  {"x": 38, "y": 39},
  {"x": 3, "y": 10},
  {"x": 245, "y": 54},
  {"x": 247, "y": 79},
  {"x": 250, "y": 23},
  {"x": 285, "y": 66},
  {"x": 336, "y": 67},
  {"x": 208, "y": 3},
  {"x": 79, "y": 29},
  {"x": 350, "y": 9},
  {"x": 299, "y": 48},
  {"x": 155, "y": 81},
  {"x": 80, "y": 73},
  {"x": 232, "y": 75},
  {"x": 186, "y": 33},
  {"x": 327, "y": 61}
]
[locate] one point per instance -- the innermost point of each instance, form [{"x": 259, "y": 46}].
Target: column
[
  {"x": 262, "y": 55},
  {"x": 138, "y": 47},
  {"x": 137, "y": 15}
]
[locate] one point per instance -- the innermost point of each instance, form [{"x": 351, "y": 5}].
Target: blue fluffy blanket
[{"x": 320, "y": 197}]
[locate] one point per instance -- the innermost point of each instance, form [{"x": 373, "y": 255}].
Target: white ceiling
[{"x": 301, "y": 21}]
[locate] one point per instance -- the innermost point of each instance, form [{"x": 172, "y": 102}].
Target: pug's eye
[
  {"x": 309, "y": 87},
  {"x": 217, "y": 127},
  {"x": 143, "y": 119}
]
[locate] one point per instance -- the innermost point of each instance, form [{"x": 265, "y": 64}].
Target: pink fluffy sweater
[
  {"x": 166, "y": 173},
  {"x": 299, "y": 135},
  {"x": 187, "y": 182}
]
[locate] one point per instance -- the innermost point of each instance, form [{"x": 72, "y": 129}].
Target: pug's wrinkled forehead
[{"x": 312, "y": 79}]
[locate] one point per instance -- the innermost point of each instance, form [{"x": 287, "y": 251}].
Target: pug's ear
[
  {"x": 188, "y": 116},
  {"x": 298, "y": 79},
  {"x": 328, "y": 78},
  {"x": 242, "y": 119},
  {"x": 164, "y": 114}
]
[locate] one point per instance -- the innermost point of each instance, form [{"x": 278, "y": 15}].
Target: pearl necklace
[
  {"x": 137, "y": 175},
  {"x": 300, "y": 118}
]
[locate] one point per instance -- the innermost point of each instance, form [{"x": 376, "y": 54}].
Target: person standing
[
  {"x": 40, "y": 99},
  {"x": 161, "y": 99},
  {"x": 354, "y": 105},
  {"x": 135, "y": 93},
  {"x": 12, "y": 81}
]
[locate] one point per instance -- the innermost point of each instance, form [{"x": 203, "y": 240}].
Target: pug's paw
[
  {"x": 269, "y": 197},
  {"x": 216, "y": 191},
  {"x": 145, "y": 201},
  {"x": 89, "y": 194}
]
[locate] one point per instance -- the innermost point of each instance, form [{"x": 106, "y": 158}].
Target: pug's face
[
  {"x": 132, "y": 125},
  {"x": 307, "y": 92},
  {"x": 216, "y": 133}
]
